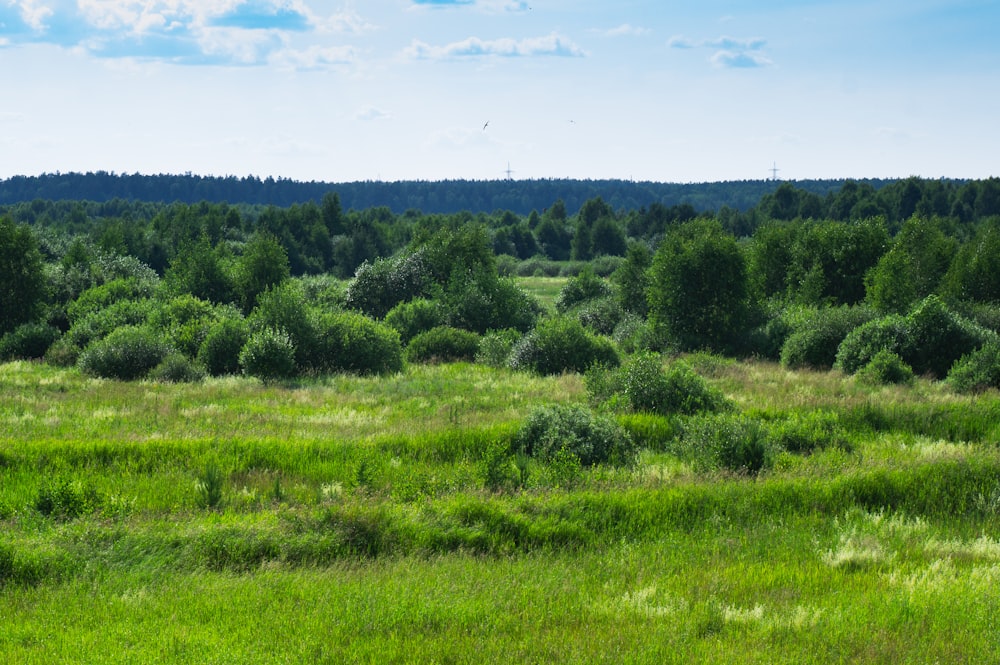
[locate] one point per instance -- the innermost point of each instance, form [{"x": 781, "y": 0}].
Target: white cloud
[
  {"x": 626, "y": 30},
  {"x": 314, "y": 57},
  {"x": 34, "y": 13},
  {"x": 551, "y": 45},
  {"x": 371, "y": 113},
  {"x": 680, "y": 41},
  {"x": 739, "y": 60},
  {"x": 731, "y": 44}
]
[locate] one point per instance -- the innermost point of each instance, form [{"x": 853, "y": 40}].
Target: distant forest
[{"x": 449, "y": 196}]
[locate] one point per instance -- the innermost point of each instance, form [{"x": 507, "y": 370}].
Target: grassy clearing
[{"x": 346, "y": 520}]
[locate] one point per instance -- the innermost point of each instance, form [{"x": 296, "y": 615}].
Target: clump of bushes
[
  {"x": 127, "y": 353},
  {"x": 885, "y": 368},
  {"x": 642, "y": 384},
  {"x": 269, "y": 355},
  {"x": 813, "y": 341},
  {"x": 443, "y": 344},
  {"x": 724, "y": 441},
  {"x": 561, "y": 344},
  {"x": 351, "y": 342},
  {"x": 929, "y": 339},
  {"x": 553, "y": 432},
  {"x": 495, "y": 347},
  {"x": 66, "y": 499},
  {"x": 177, "y": 368},
  {"x": 411, "y": 318},
  {"x": 220, "y": 351},
  {"x": 29, "y": 341},
  {"x": 977, "y": 371},
  {"x": 584, "y": 287}
]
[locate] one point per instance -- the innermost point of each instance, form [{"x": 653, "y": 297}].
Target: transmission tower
[{"x": 774, "y": 171}]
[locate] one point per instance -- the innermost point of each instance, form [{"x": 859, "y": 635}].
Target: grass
[{"x": 349, "y": 520}]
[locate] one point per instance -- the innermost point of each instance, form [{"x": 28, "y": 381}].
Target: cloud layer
[{"x": 729, "y": 51}]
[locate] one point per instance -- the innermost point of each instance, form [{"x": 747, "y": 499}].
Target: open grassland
[{"x": 347, "y": 520}]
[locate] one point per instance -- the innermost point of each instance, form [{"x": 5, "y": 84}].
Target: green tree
[
  {"x": 198, "y": 269},
  {"x": 264, "y": 263},
  {"x": 913, "y": 268},
  {"x": 22, "y": 277},
  {"x": 632, "y": 278},
  {"x": 699, "y": 294}
]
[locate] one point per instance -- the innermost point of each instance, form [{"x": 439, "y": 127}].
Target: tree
[
  {"x": 197, "y": 269},
  {"x": 22, "y": 277},
  {"x": 913, "y": 268},
  {"x": 699, "y": 294},
  {"x": 632, "y": 278},
  {"x": 264, "y": 263}
]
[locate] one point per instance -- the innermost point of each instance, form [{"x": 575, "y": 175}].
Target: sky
[{"x": 487, "y": 89}]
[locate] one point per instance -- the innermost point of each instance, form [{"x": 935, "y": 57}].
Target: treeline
[
  {"x": 449, "y": 196},
  {"x": 906, "y": 277}
]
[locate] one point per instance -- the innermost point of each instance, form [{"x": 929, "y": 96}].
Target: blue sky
[{"x": 404, "y": 89}]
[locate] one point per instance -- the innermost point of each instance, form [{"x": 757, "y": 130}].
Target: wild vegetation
[{"x": 646, "y": 441}]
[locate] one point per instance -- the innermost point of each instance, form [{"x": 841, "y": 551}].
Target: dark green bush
[
  {"x": 885, "y": 368},
  {"x": 62, "y": 353},
  {"x": 411, "y": 318},
  {"x": 177, "y": 368},
  {"x": 601, "y": 315},
  {"x": 929, "y": 339},
  {"x": 814, "y": 339},
  {"x": 269, "y": 355},
  {"x": 379, "y": 286},
  {"x": 100, "y": 297},
  {"x": 185, "y": 321},
  {"x": 443, "y": 344},
  {"x": 29, "y": 341},
  {"x": 220, "y": 350},
  {"x": 483, "y": 301},
  {"x": 128, "y": 353},
  {"x": 351, "y": 342},
  {"x": 283, "y": 307},
  {"x": 561, "y": 344},
  {"x": 977, "y": 371},
  {"x": 558, "y": 429}
]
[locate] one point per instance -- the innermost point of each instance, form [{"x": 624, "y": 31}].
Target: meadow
[{"x": 351, "y": 519}]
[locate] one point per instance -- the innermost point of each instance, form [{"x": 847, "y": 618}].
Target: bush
[
  {"x": 495, "y": 347},
  {"x": 378, "y": 287},
  {"x": 411, "y": 318},
  {"x": 220, "y": 350},
  {"x": 103, "y": 296},
  {"x": 813, "y": 342},
  {"x": 551, "y": 431},
  {"x": 804, "y": 433},
  {"x": 352, "y": 342},
  {"x": 128, "y": 353},
  {"x": 100, "y": 323},
  {"x": 62, "y": 353},
  {"x": 977, "y": 371},
  {"x": 443, "y": 344},
  {"x": 929, "y": 339},
  {"x": 601, "y": 315},
  {"x": 734, "y": 443},
  {"x": 66, "y": 500},
  {"x": 642, "y": 385},
  {"x": 268, "y": 355},
  {"x": 177, "y": 368},
  {"x": 28, "y": 341},
  {"x": 561, "y": 344},
  {"x": 585, "y": 286},
  {"x": 185, "y": 321},
  {"x": 885, "y": 368},
  {"x": 283, "y": 307},
  {"x": 483, "y": 301}
]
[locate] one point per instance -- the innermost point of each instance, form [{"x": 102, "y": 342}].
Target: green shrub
[
  {"x": 929, "y": 339},
  {"x": 268, "y": 355},
  {"x": 500, "y": 469},
  {"x": 283, "y": 307},
  {"x": 28, "y": 341},
  {"x": 209, "y": 486},
  {"x": 585, "y": 286},
  {"x": 411, "y": 318},
  {"x": 177, "y": 368},
  {"x": 379, "y": 286},
  {"x": 813, "y": 342},
  {"x": 731, "y": 442},
  {"x": 100, "y": 297},
  {"x": 62, "y": 353},
  {"x": 128, "y": 353},
  {"x": 601, "y": 315},
  {"x": 100, "y": 323},
  {"x": 561, "y": 344},
  {"x": 443, "y": 344},
  {"x": 351, "y": 342},
  {"x": 483, "y": 301},
  {"x": 885, "y": 368},
  {"x": 977, "y": 371},
  {"x": 66, "y": 499},
  {"x": 185, "y": 321},
  {"x": 538, "y": 266},
  {"x": 495, "y": 347},
  {"x": 555, "y": 430},
  {"x": 641, "y": 384},
  {"x": 220, "y": 350}
]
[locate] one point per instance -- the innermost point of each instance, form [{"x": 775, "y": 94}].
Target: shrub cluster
[
  {"x": 561, "y": 344},
  {"x": 551, "y": 431},
  {"x": 29, "y": 341},
  {"x": 443, "y": 344},
  {"x": 642, "y": 384},
  {"x": 127, "y": 353},
  {"x": 977, "y": 371}
]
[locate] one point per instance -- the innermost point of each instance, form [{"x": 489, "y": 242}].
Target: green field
[{"x": 347, "y": 520}]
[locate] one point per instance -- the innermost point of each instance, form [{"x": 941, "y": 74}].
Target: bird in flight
[{"x": 486, "y": 125}]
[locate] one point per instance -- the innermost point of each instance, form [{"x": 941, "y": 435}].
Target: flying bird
[{"x": 487, "y": 124}]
